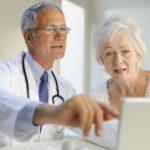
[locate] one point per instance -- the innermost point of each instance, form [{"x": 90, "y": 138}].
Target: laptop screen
[{"x": 134, "y": 130}]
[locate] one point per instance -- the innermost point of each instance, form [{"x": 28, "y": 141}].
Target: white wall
[
  {"x": 11, "y": 40},
  {"x": 74, "y": 66},
  {"x": 136, "y": 9}
]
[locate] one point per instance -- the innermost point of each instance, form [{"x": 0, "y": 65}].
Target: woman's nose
[{"x": 118, "y": 59}]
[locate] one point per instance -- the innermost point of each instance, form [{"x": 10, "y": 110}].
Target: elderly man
[{"x": 30, "y": 89}]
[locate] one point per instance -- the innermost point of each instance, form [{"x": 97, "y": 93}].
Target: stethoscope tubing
[
  {"x": 27, "y": 83},
  {"x": 25, "y": 76}
]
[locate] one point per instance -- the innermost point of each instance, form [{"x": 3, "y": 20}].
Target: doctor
[{"x": 28, "y": 78}]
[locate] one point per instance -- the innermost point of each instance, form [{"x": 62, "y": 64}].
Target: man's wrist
[{"x": 41, "y": 114}]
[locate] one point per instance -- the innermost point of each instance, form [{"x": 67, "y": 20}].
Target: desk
[{"x": 79, "y": 141}]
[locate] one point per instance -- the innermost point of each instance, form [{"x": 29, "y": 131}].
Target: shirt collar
[{"x": 36, "y": 68}]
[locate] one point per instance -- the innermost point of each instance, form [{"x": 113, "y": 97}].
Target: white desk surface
[{"x": 78, "y": 140}]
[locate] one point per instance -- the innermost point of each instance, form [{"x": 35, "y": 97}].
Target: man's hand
[
  {"x": 109, "y": 111},
  {"x": 80, "y": 111}
]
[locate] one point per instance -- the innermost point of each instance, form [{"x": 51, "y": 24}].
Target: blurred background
[{"x": 83, "y": 17}]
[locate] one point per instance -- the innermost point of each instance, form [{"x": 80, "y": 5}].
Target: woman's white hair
[{"x": 110, "y": 27}]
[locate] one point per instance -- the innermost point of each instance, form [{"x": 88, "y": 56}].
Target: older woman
[{"x": 119, "y": 48}]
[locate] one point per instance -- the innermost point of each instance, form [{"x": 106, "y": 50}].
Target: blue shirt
[{"x": 36, "y": 69}]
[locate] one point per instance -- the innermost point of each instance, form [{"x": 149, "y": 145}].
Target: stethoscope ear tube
[
  {"x": 25, "y": 75},
  {"x": 57, "y": 90}
]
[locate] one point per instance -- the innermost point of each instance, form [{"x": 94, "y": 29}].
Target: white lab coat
[{"x": 12, "y": 84}]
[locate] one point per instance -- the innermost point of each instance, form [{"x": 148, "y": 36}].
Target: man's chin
[{"x": 59, "y": 57}]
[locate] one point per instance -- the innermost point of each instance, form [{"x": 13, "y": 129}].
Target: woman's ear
[
  {"x": 28, "y": 38},
  {"x": 138, "y": 57},
  {"x": 101, "y": 58}
]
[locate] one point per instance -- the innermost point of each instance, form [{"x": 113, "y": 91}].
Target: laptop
[
  {"x": 134, "y": 127},
  {"x": 132, "y": 132}
]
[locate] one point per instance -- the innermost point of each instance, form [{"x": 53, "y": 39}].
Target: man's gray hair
[
  {"x": 110, "y": 27},
  {"x": 29, "y": 18}
]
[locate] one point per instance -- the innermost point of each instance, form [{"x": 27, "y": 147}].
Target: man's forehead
[
  {"x": 49, "y": 10},
  {"x": 50, "y": 15}
]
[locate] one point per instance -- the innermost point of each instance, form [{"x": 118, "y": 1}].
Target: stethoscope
[{"x": 57, "y": 95}]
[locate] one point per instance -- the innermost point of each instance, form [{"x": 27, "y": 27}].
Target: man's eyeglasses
[{"x": 53, "y": 29}]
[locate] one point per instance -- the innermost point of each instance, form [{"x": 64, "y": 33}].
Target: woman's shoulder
[
  {"x": 100, "y": 87},
  {"x": 145, "y": 72},
  {"x": 100, "y": 93},
  {"x": 146, "y": 78},
  {"x": 148, "y": 72}
]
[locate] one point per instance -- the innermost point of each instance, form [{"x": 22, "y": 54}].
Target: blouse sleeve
[
  {"x": 147, "y": 91},
  {"x": 100, "y": 93}
]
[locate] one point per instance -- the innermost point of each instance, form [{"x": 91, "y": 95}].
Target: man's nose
[{"x": 58, "y": 33}]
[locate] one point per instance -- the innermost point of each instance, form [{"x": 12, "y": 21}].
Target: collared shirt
[{"x": 37, "y": 70}]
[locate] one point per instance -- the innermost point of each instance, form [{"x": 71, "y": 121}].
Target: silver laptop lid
[{"x": 134, "y": 131}]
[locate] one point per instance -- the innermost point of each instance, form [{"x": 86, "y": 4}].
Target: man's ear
[{"x": 28, "y": 38}]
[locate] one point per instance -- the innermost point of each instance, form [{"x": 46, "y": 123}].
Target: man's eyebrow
[
  {"x": 50, "y": 25},
  {"x": 56, "y": 25},
  {"x": 62, "y": 25}
]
